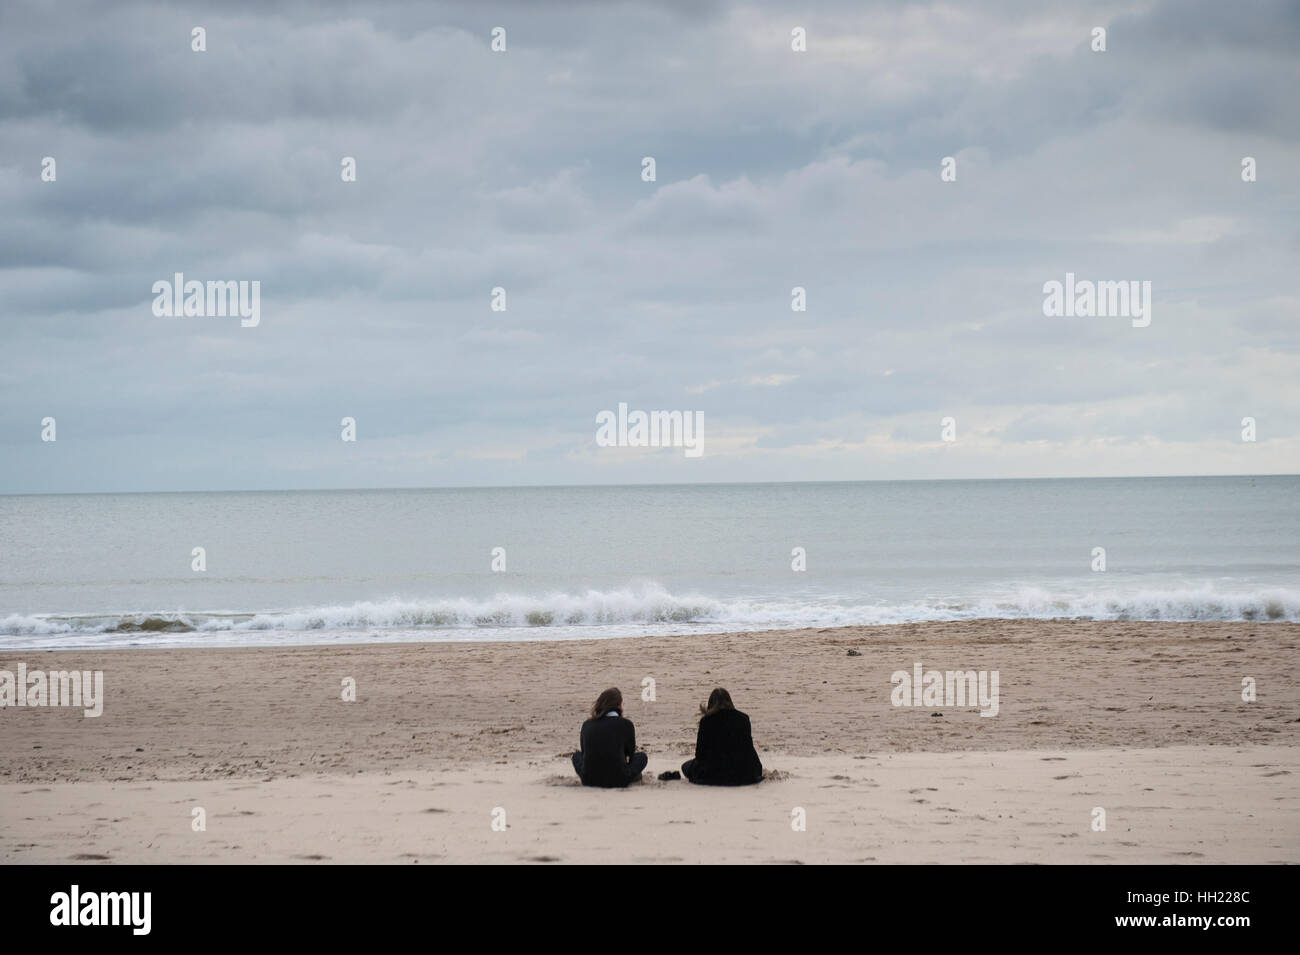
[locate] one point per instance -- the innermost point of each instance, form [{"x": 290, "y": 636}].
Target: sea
[{"x": 260, "y": 568}]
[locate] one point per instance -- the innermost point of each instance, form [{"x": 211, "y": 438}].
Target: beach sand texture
[{"x": 1143, "y": 720}]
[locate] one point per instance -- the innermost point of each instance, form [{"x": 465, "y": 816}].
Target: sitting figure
[
  {"x": 724, "y": 746},
  {"x": 608, "y": 757}
]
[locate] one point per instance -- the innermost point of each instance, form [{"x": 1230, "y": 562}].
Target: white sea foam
[{"x": 623, "y": 612}]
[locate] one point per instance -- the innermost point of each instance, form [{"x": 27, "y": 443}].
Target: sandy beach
[{"x": 1143, "y": 720}]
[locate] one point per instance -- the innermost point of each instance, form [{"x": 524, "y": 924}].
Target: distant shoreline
[{"x": 255, "y": 638}]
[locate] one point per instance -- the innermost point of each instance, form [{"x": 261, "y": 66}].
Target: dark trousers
[
  {"x": 690, "y": 771},
  {"x": 635, "y": 766}
]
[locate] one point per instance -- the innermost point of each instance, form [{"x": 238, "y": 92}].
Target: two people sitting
[{"x": 724, "y": 746}]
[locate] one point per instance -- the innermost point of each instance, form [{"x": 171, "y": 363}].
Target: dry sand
[{"x": 1144, "y": 720}]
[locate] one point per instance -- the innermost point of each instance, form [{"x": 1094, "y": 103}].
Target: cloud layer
[{"x": 522, "y": 170}]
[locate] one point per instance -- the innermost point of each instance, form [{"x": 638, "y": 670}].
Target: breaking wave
[{"x": 625, "y": 612}]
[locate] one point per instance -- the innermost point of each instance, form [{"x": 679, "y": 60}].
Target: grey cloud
[{"x": 523, "y": 170}]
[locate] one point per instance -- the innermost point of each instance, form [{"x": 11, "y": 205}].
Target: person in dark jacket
[
  {"x": 724, "y": 746},
  {"x": 608, "y": 756}
]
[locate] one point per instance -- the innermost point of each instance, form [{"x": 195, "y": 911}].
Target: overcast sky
[{"x": 523, "y": 169}]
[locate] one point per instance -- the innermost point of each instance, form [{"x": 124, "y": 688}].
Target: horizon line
[{"x": 633, "y": 484}]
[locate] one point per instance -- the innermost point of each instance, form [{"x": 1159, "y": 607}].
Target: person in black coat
[
  {"x": 724, "y": 746},
  {"x": 608, "y": 756}
]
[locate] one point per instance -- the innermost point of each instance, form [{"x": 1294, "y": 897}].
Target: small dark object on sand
[
  {"x": 671, "y": 774},
  {"x": 854, "y": 653}
]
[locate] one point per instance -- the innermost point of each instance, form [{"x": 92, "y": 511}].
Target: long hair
[
  {"x": 719, "y": 699},
  {"x": 611, "y": 699}
]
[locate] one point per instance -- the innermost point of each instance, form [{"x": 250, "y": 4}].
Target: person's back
[
  {"x": 724, "y": 747},
  {"x": 608, "y": 757}
]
